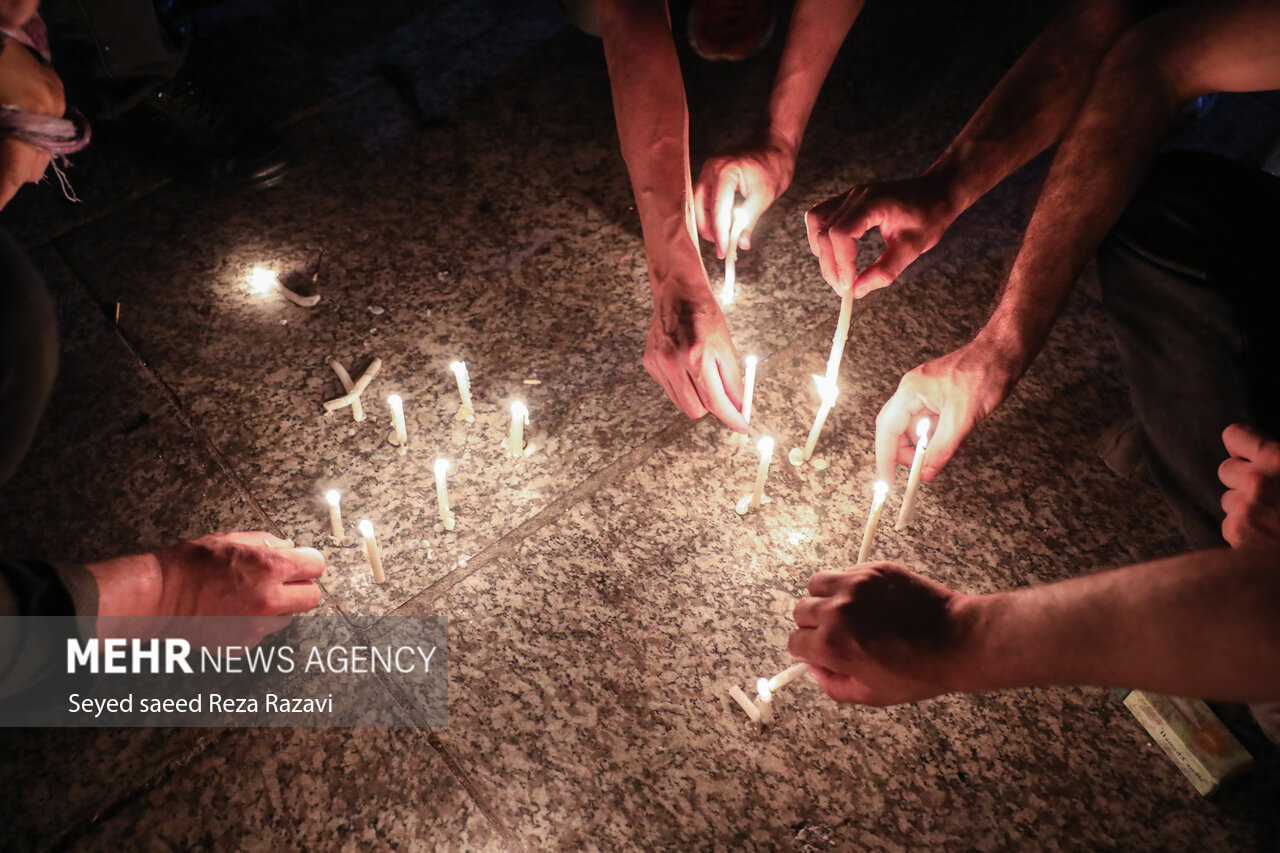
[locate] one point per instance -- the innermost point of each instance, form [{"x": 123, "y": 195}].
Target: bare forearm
[
  {"x": 653, "y": 128},
  {"x": 1034, "y": 104},
  {"x": 818, "y": 28},
  {"x": 1205, "y": 624}
]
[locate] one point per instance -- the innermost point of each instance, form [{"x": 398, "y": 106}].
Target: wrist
[
  {"x": 128, "y": 587},
  {"x": 949, "y": 178},
  {"x": 978, "y": 662},
  {"x": 1003, "y": 348}
]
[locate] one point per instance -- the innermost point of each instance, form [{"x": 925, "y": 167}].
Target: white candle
[
  {"x": 335, "y": 514},
  {"x": 908, "y": 512},
  {"x": 264, "y": 281},
  {"x": 357, "y": 408},
  {"x": 873, "y": 520},
  {"x": 753, "y": 713},
  {"x": 842, "y": 333},
  {"x": 442, "y": 494},
  {"x": 350, "y": 398},
  {"x": 519, "y": 419},
  {"x": 757, "y": 497},
  {"x": 749, "y": 389},
  {"x": 465, "y": 412},
  {"x": 371, "y": 550},
  {"x": 788, "y": 675},
  {"x": 731, "y": 258},
  {"x": 764, "y": 701},
  {"x": 828, "y": 392},
  {"x": 399, "y": 436}
]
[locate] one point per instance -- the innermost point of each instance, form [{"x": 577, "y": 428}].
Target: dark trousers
[
  {"x": 28, "y": 353},
  {"x": 1191, "y": 282},
  {"x": 111, "y": 54}
]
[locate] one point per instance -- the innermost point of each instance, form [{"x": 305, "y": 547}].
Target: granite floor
[{"x": 602, "y": 593}]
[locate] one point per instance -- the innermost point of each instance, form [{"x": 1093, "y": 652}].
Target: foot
[
  {"x": 730, "y": 29},
  {"x": 204, "y": 136}
]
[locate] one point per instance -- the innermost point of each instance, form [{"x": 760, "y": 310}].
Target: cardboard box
[{"x": 1192, "y": 736}]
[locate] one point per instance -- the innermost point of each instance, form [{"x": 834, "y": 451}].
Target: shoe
[
  {"x": 202, "y": 136},
  {"x": 731, "y": 29}
]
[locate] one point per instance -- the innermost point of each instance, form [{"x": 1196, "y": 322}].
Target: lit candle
[
  {"x": 873, "y": 520},
  {"x": 519, "y": 419},
  {"x": 842, "y": 333},
  {"x": 399, "y": 436},
  {"x": 764, "y": 701},
  {"x": 788, "y": 675},
  {"x": 371, "y": 550},
  {"x": 908, "y": 512},
  {"x": 731, "y": 258},
  {"x": 335, "y": 514},
  {"x": 749, "y": 384},
  {"x": 357, "y": 409},
  {"x": 442, "y": 494},
  {"x": 264, "y": 281},
  {"x": 828, "y": 392},
  {"x": 465, "y": 412},
  {"x": 750, "y": 502},
  {"x": 753, "y": 713}
]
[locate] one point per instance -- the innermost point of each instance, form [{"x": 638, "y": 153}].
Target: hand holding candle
[
  {"x": 371, "y": 550},
  {"x": 881, "y": 489},
  {"x": 442, "y": 494},
  {"x": 465, "y": 413},
  {"x": 908, "y": 512},
  {"x": 756, "y": 498}
]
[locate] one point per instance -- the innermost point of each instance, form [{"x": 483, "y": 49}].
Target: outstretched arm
[
  {"x": 760, "y": 170},
  {"x": 689, "y": 351},
  {"x": 881, "y": 635}
]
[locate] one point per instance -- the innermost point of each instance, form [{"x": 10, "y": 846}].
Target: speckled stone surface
[{"x": 603, "y": 594}]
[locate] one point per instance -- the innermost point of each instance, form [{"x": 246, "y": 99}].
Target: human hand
[
  {"x": 880, "y": 634},
  {"x": 911, "y": 214},
  {"x": 759, "y": 171},
  {"x": 15, "y": 13},
  {"x": 690, "y": 354},
  {"x": 1252, "y": 478},
  {"x": 29, "y": 84},
  {"x": 956, "y": 392},
  {"x": 254, "y": 577}
]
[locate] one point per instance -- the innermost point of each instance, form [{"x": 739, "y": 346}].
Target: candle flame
[
  {"x": 458, "y": 367},
  {"x": 881, "y": 489},
  {"x": 262, "y": 280},
  {"x": 442, "y": 467},
  {"x": 766, "y": 446},
  {"x": 726, "y": 293},
  {"x": 394, "y": 401},
  {"x": 366, "y": 529},
  {"x": 518, "y": 410},
  {"x": 332, "y": 497},
  {"x": 827, "y": 389},
  {"x": 922, "y": 428},
  {"x": 762, "y": 689},
  {"x": 751, "y": 361}
]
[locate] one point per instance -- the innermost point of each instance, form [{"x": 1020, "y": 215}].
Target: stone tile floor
[{"x": 602, "y": 593}]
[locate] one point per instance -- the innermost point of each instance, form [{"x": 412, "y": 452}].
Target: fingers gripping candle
[
  {"x": 756, "y": 498},
  {"x": 371, "y": 550},
  {"x": 514, "y": 444},
  {"x": 399, "y": 435},
  {"x": 465, "y": 412},
  {"x": 908, "y": 512},
  {"x": 749, "y": 386},
  {"x": 442, "y": 494},
  {"x": 873, "y": 520},
  {"x": 828, "y": 392},
  {"x": 335, "y": 514}
]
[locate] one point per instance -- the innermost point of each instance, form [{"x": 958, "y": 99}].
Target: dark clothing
[
  {"x": 28, "y": 364},
  {"x": 1191, "y": 281},
  {"x": 111, "y": 54}
]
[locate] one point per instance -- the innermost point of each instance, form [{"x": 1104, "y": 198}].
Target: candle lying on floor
[
  {"x": 753, "y": 713},
  {"x": 749, "y": 388},
  {"x": 264, "y": 281},
  {"x": 465, "y": 412},
  {"x": 399, "y": 435},
  {"x": 519, "y": 420},
  {"x": 842, "y": 333},
  {"x": 764, "y": 701},
  {"x": 881, "y": 489},
  {"x": 788, "y": 675},
  {"x": 371, "y": 550},
  {"x": 828, "y": 392},
  {"x": 753, "y": 500},
  {"x": 335, "y": 514},
  {"x": 730, "y": 288},
  {"x": 357, "y": 409},
  {"x": 442, "y": 494},
  {"x": 350, "y": 398},
  {"x": 908, "y": 512}
]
